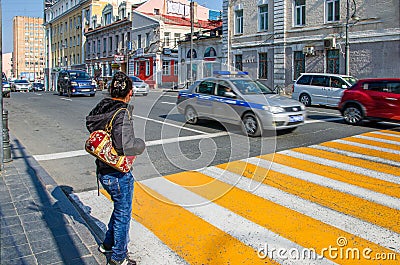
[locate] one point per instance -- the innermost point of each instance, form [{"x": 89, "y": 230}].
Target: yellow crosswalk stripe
[
  {"x": 192, "y": 238},
  {"x": 349, "y": 160},
  {"x": 371, "y": 142},
  {"x": 336, "y": 200},
  {"x": 292, "y": 225},
  {"x": 391, "y": 132},
  {"x": 362, "y": 150},
  {"x": 363, "y": 181},
  {"x": 382, "y": 136}
]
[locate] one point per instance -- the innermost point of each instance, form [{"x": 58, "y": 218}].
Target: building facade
[
  {"x": 205, "y": 58},
  {"x": 109, "y": 42},
  {"x": 157, "y": 28},
  {"x": 7, "y": 64},
  {"x": 65, "y": 22},
  {"x": 29, "y": 53},
  {"x": 278, "y": 40}
]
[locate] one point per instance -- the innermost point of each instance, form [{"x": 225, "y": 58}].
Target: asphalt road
[{"x": 52, "y": 128}]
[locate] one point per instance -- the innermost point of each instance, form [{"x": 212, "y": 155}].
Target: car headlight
[
  {"x": 73, "y": 83},
  {"x": 273, "y": 109},
  {"x": 302, "y": 107}
]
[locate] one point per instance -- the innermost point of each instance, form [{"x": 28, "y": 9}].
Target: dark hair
[{"x": 120, "y": 86}]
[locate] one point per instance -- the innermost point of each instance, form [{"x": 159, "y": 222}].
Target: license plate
[
  {"x": 85, "y": 90},
  {"x": 296, "y": 118}
]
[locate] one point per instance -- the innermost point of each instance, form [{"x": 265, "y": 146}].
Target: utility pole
[
  {"x": 191, "y": 40},
  {"x": 347, "y": 47},
  {"x": 1, "y": 92}
]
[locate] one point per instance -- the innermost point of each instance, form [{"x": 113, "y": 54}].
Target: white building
[{"x": 276, "y": 40}]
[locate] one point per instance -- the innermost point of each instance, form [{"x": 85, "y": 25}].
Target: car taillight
[
  {"x": 179, "y": 96},
  {"x": 292, "y": 88}
]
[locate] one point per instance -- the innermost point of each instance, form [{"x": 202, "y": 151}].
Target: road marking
[
  {"x": 67, "y": 99},
  {"x": 379, "y": 138},
  {"x": 70, "y": 154},
  {"x": 355, "y": 153},
  {"x": 364, "y": 149},
  {"x": 170, "y": 103},
  {"x": 322, "y": 112},
  {"x": 341, "y": 171},
  {"x": 144, "y": 246},
  {"x": 170, "y": 124},
  {"x": 326, "y": 196},
  {"x": 368, "y": 231},
  {"x": 250, "y": 234},
  {"x": 322, "y": 120},
  {"x": 296, "y": 227},
  {"x": 377, "y": 168},
  {"x": 374, "y": 142}
]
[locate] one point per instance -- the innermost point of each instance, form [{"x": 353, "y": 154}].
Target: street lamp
[{"x": 347, "y": 46}]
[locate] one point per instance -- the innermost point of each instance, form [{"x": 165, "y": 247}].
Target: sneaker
[
  {"x": 126, "y": 261},
  {"x": 104, "y": 249}
]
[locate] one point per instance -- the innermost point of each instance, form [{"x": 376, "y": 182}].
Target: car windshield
[
  {"x": 136, "y": 79},
  {"x": 249, "y": 87},
  {"x": 79, "y": 75},
  {"x": 21, "y": 82},
  {"x": 350, "y": 80}
]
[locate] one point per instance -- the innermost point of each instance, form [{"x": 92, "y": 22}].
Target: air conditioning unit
[
  {"x": 308, "y": 50},
  {"x": 330, "y": 43}
]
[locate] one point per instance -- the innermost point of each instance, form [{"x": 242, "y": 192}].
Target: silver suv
[
  {"x": 321, "y": 89},
  {"x": 234, "y": 98}
]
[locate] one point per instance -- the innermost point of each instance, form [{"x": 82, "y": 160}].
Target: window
[
  {"x": 147, "y": 68},
  {"x": 156, "y": 11},
  {"x": 175, "y": 67},
  {"x": 304, "y": 80},
  {"x": 238, "y": 62},
  {"x": 104, "y": 44},
  {"x": 139, "y": 41},
  {"x": 166, "y": 68},
  {"x": 110, "y": 43},
  {"x": 147, "y": 39},
  {"x": 98, "y": 46},
  {"x": 116, "y": 42},
  {"x": 210, "y": 52},
  {"x": 137, "y": 68},
  {"x": 299, "y": 64},
  {"x": 332, "y": 10},
  {"x": 239, "y": 22},
  {"x": 94, "y": 46},
  {"x": 166, "y": 39},
  {"x": 388, "y": 87},
  {"x": 262, "y": 66},
  {"x": 319, "y": 80},
  {"x": 299, "y": 12},
  {"x": 337, "y": 82},
  {"x": 107, "y": 18},
  {"x": 332, "y": 61},
  {"x": 177, "y": 37},
  {"x": 206, "y": 87},
  {"x": 263, "y": 18}
]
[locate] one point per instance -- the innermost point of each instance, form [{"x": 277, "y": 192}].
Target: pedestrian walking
[{"x": 118, "y": 184}]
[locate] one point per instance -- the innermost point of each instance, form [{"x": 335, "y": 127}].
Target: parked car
[
  {"x": 6, "y": 89},
  {"x": 321, "y": 89},
  {"x": 234, "y": 98},
  {"x": 373, "y": 99},
  {"x": 139, "y": 86},
  {"x": 37, "y": 86},
  {"x": 75, "y": 82},
  {"x": 22, "y": 85}
]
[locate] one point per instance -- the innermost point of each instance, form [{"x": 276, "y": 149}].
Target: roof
[
  {"x": 327, "y": 74},
  {"x": 182, "y": 21}
]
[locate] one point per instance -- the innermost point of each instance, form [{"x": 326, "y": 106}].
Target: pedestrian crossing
[{"x": 333, "y": 203}]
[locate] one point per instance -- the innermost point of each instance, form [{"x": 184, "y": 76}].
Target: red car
[{"x": 374, "y": 99}]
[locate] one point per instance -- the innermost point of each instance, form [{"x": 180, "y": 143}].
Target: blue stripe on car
[{"x": 204, "y": 98}]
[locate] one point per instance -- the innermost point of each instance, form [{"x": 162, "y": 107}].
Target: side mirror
[{"x": 229, "y": 94}]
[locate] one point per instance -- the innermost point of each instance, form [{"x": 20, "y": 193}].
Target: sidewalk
[{"x": 39, "y": 225}]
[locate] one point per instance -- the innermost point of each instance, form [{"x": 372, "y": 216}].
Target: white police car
[{"x": 234, "y": 98}]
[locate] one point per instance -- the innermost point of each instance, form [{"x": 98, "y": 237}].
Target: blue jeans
[{"x": 120, "y": 187}]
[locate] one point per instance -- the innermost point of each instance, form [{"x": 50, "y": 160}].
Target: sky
[{"x": 34, "y": 8}]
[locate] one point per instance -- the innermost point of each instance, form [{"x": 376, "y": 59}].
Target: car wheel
[
  {"x": 352, "y": 114},
  {"x": 92, "y": 95},
  {"x": 251, "y": 126},
  {"x": 191, "y": 116},
  {"x": 305, "y": 99}
]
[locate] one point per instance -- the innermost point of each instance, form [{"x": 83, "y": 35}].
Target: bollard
[{"x": 6, "y": 139}]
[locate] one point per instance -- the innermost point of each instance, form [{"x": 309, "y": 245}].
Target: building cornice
[{"x": 109, "y": 26}]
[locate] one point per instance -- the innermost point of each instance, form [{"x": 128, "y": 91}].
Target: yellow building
[
  {"x": 29, "y": 52},
  {"x": 65, "y": 22}
]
